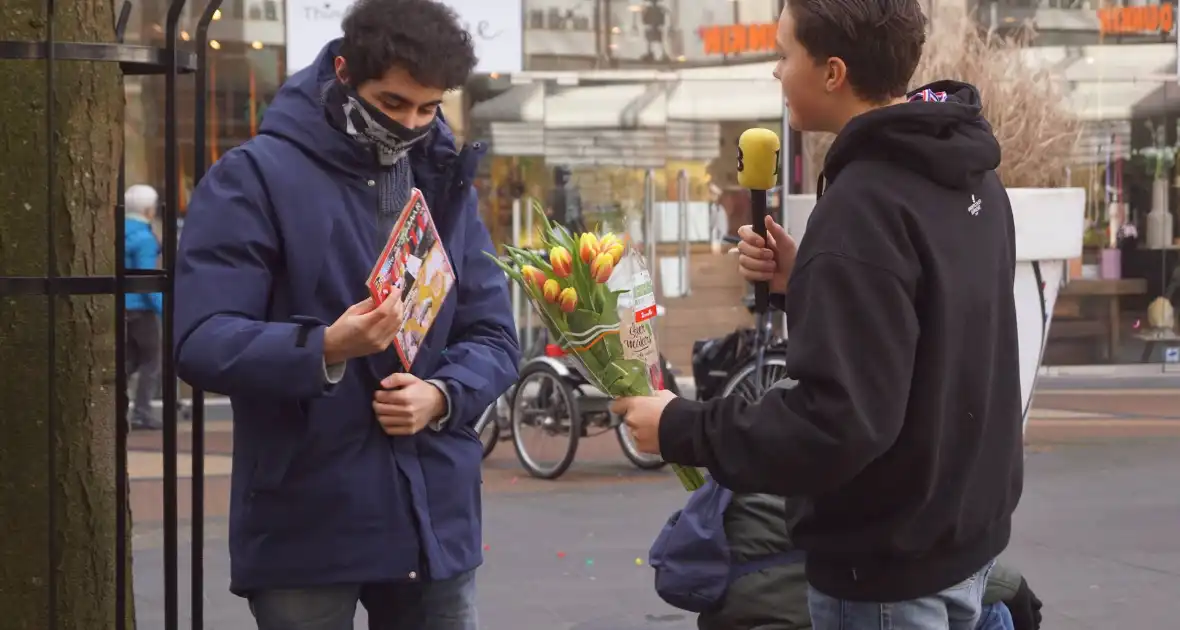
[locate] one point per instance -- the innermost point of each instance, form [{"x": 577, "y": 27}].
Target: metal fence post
[
  {"x": 516, "y": 297},
  {"x": 529, "y": 329},
  {"x": 684, "y": 232}
]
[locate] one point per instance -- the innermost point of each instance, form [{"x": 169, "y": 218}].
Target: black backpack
[{"x": 713, "y": 360}]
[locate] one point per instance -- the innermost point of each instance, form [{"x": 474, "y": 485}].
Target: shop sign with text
[
  {"x": 738, "y": 39},
  {"x": 1156, "y": 18},
  {"x": 494, "y": 26}
]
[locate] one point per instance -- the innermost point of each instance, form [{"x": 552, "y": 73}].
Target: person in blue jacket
[
  {"x": 143, "y": 310},
  {"x": 355, "y": 478}
]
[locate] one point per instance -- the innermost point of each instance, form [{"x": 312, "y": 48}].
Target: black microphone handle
[{"x": 758, "y": 215}]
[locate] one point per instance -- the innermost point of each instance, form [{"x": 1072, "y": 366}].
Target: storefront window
[
  {"x": 1119, "y": 306},
  {"x": 246, "y": 68},
  {"x": 653, "y": 157}
]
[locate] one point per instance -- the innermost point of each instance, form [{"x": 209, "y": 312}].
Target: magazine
[{"x": 414, "y": 262}]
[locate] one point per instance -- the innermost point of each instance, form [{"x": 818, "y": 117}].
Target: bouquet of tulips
[{"x": 596, "y": 297}]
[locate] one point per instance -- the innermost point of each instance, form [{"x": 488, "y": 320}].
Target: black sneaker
[{"x": 146, "y": 425}]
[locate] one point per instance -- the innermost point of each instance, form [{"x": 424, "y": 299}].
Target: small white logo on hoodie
[{"x": 975, "y": 207}]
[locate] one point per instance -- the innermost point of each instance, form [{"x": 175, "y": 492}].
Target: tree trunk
[{"x": 87, "y": 146}]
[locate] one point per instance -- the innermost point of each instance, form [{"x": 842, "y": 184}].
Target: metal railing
[{"x": 171, "y": 62}]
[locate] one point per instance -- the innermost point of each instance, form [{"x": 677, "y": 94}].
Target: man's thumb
[
  {"x": 362, "y": 307},
  {"x": 398, "y": 379},
  {"x": 777, "y": 232}
]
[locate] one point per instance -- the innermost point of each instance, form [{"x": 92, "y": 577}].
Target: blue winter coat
[
  {"x": 141, "y": 250},
  {"x": 279, "y": 241}
]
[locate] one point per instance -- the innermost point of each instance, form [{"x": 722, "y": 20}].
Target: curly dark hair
[
  {"x": 423, "y": 37},
  {"x": 880, "y": 41}
]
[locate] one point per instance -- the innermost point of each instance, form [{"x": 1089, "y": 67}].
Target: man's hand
[
  {"x": 363, "y": 330},
  {"x": 1025, "y": 608},
  {"x": 768, "y": 261},
  {"x": 642, "y": 415},
  {"x": 407, "y": 404}
]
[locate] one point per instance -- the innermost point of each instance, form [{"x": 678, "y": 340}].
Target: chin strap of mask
[{"x": 349, "y": 113}]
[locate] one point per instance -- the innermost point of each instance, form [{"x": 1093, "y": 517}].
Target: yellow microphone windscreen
[{"x": 758, "y": 159}]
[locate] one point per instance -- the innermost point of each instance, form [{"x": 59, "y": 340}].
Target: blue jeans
[
  {"x": 996, "y": 617},
  {"x": 442, "y": 605},
  {"x": 956, "y": 608}
]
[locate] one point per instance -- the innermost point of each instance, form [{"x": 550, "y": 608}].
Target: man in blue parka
[{"x": 353, "y": 478}]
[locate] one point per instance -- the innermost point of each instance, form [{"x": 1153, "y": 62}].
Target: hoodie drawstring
[{"x": 819, "y": 186}]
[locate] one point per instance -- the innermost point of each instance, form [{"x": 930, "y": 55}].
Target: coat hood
[
  {"x": 297, "y": 114},
  {"x": 939, "y": 133}
]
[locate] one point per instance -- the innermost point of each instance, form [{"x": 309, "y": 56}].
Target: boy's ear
[
  {"x": 837, "y": 74},
  {"x": 341, "y": 69}
]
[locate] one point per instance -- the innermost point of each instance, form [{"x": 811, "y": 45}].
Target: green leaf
[
  {"x": 635, "y": 381},
  {"x": 582, "y": 320}
]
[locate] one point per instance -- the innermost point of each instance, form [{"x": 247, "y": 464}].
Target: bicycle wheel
[
  {"x": 488, "y": 429},
  {"x": 544, "y": 405},
  {"x": 645, "y": 461},
  {"x": 746, "y": 383}
]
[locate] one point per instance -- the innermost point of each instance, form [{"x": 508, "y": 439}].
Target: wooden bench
[{"x": 1108, "y": 325}]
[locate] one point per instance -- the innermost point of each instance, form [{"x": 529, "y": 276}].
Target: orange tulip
[
  {"x": 551, "y": 291},
  {"x": 562, "y": 262},
  {"x": 602, "y": 267},
  {"x": 611, "y": 244},
  {"x": 588, "y": 247},
  {"x": 534, "y": 276},
  {"x": 568, "y": 300}
]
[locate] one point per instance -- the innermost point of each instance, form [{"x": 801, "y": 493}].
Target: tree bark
[{"x": 87, "y": 146}]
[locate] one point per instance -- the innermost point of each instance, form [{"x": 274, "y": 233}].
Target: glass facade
[
  {"x": 246, "y": 68},
  {"x": 1118, "y": 64},
  {"x": 628, "y": 111}
]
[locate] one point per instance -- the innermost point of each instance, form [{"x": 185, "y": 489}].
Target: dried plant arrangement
[{"x": 1026, "y": 105}]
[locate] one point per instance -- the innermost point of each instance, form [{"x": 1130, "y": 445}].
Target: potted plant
[{"x": 1037, "y": 133}]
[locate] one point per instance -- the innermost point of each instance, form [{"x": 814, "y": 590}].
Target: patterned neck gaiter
[{"x": 349, "y": 113}]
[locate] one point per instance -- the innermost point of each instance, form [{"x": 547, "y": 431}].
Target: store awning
[
  {"x": 1108, "y": 100},
  {"x": 740, "y": 92},
  {"x": 726, "y": 100},
  {"x": 517, "y": 104},
  {"x": 604, "y": 106},
  {"x": 1110, "y": 82}
]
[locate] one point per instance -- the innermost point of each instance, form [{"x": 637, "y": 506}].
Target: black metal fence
[{"x": 171, "y": 62}]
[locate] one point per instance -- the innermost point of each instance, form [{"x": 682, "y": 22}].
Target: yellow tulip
[
  {"x": 568, "y": 300},
  {"x": 533, "y": 276},
  {"x": 588, "y": 247},
  {"x": 551, "y": 291},
  {"x": 610, "y": 244},
  {"x": 602, "y": 267},
  {"x": 562, "y": 261}
]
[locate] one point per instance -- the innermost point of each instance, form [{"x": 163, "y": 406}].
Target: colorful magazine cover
[{"x": 414, "y": 262}]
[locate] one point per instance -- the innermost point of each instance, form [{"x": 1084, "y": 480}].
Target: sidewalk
[{"x": 1094, "y": 534}]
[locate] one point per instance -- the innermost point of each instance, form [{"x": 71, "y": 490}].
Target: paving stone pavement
[{"x": 1096, "y": 534}]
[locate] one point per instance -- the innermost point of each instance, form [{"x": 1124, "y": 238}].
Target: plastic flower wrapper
[{"x": 596, "y": 297}]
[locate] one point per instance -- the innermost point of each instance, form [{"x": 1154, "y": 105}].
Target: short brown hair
[{"x": 880, "y": 41}]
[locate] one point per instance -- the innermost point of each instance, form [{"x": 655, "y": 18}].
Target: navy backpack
[{"x": 691, "y": 554}]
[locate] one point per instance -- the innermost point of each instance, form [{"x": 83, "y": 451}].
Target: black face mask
[{"x": 353, "y": 115}]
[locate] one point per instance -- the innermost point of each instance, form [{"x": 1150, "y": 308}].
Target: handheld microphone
[{"x": 757, "y": 170}]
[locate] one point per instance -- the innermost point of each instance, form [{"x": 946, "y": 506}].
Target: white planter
[{"x": 1049, "y": 226}]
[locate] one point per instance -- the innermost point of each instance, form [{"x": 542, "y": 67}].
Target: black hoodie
[{"x": 905, "y": 428}]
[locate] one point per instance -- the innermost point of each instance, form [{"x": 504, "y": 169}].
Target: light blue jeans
[
  {"x": 442, "y": 605},
  {"x": 956, "y": 608},
  {"x": 996, "y": 617}
]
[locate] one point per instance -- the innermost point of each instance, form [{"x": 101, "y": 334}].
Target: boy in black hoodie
[{"x": 905, "y": 429}]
